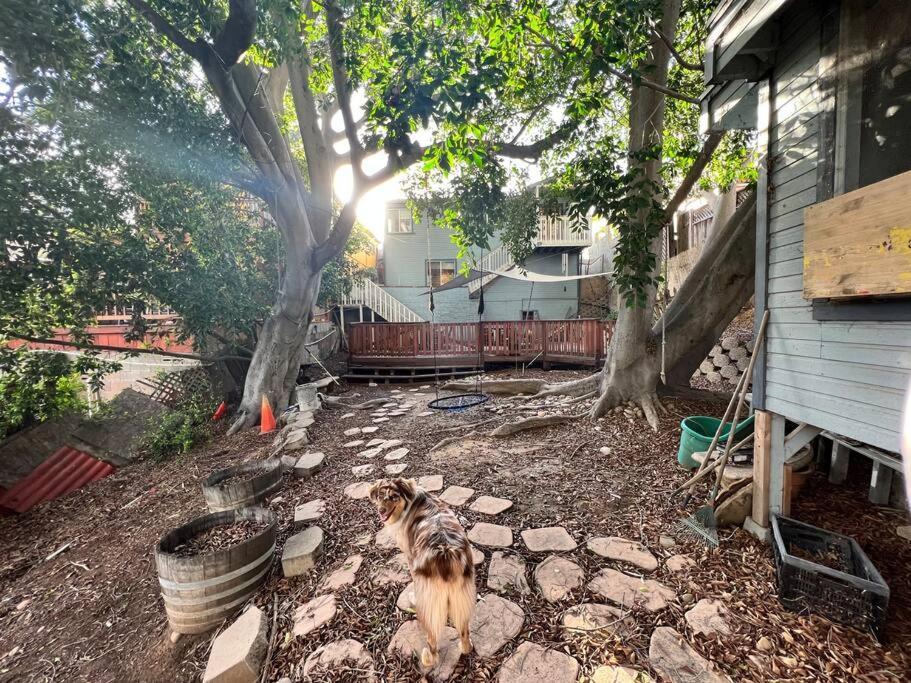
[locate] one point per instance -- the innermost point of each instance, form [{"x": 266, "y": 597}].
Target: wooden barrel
[
  {"x": 201, "y": 591},
  {"x": 264, "y": 478}
]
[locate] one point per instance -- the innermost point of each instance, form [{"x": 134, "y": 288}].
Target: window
[
  {"x": 439, "y": 272},
  {"x": 399, "y": 221},
  {"x": 530, "y": 315}
]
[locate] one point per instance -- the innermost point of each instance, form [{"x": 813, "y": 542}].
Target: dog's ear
[
  {"x": 407, "y": 488},
  {"x": 375, "y": 488}
]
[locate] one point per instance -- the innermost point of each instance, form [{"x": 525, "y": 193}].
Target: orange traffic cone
[
  {"x": 220, "y": 412},
  {"x": 267, "y": 419}
]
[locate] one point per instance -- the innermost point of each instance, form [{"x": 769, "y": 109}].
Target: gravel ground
[{"x": 93, "y": 612}]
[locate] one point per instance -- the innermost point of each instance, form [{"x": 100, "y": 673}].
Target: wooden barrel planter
[
  {"x": 241, "y": 486},
  {"x": 201, "y": 591}
]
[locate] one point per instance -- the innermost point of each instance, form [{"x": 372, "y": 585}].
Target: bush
[
  {"x": 37, "y": 385},
  {"x": 179, "y": 430}
]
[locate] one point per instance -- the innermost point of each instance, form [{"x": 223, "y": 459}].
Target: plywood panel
[{"x": 859, "y": 244}]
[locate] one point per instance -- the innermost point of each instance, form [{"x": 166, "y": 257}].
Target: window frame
[
  {"x": 397, "y": 212},
  {"x": 428, "y": 275}
]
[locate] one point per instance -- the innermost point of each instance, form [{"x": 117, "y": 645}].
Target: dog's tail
[{"x": 446, "y": 594}]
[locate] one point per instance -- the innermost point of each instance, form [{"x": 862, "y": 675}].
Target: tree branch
[
  {"x": 195, "y": 49},
  {"x": 535, "y": 149},
  {"x": 670, "y": 92},
  {"x": 681, "y": 60},
  {"x": 693, "y": 174},
  {"x": 340, "y": 79},
  {"x": 236, "y": 36}
]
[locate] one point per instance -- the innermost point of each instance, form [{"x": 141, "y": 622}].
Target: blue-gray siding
[{"x": 844, "y": 376}]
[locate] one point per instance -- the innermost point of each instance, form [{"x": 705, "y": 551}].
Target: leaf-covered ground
[{"x": 93, "y": 612}]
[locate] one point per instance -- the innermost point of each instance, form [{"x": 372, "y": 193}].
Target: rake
[{"x": 701, "y": 525}]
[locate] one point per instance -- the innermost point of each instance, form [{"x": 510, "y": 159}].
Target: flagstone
[
  {"x": 624, "y": 550},
  {"x": 557, "y": 577},
  {"x": 709, "y": 617},
  {"x": 630, "y": 591},
  {"x": 397, "y": 454},
  {"x": 314, "y": 614},
  {"x": 393, "y": 571},
  {"x": 488, "y": 505},
  {"x": 301, "y": 551},
  {"x": 370, "y": 430},
  {"x": 375, "y": 442},
  {"x": 358, "y": 490},
  {"x": 344, "y": 575},
  {"x": 343, "y": 657},
  {"x": 354, "y": 431},
  {"x": 671, "y": 656},
  {"x": 308, "y": 513},
  {"x": 548, "y": 539},
  {"x": 369, "y": 453},
  {"x": 432, "y": 483},
  {"x": 532, "y": 662},
  {"x": 494, "y": 623},
  {"x": 456, "y": 495},
  {"x": 362, "y": 470},
  {"x": 385, "y": 538},
  {"x": 591, "y": 616},
  {"x": 507, "y": 571},
  {"x": 395, "y": 469},
  {"x": 490, "y": 535},
  {"x": 409, "y": 641},
  {"x": 676, "y": 563}
]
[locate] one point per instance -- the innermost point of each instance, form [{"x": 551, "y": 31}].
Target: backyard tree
[{"x": 635, "y": 69}]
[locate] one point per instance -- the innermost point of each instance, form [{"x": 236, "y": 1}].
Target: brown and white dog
[{"x": 439, "y": 557}]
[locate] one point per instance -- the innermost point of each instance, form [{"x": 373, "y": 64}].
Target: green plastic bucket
[{"x": 696, "y": 434}]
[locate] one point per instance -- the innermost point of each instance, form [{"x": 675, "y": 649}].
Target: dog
[{"x": 439, "y": 557}]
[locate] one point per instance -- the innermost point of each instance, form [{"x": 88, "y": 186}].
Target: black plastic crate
[{"x": 855, "y": 595}]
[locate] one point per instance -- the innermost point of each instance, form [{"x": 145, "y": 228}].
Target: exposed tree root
[
  {"x": 535, "y": 422},
  {"x": 499, "y": 386},
  {"x": 333, "y": 402},
  {"x": 576, "y": 387}
]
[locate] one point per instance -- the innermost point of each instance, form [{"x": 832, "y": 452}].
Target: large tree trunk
[{"x": 280, "y": 348}]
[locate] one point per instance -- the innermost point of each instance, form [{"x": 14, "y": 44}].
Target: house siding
[{"x": 848, "y": 377}]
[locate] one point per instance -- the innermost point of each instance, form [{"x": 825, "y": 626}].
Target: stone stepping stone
[
  {"x": 557, "y": 578},
  {"x": 301, "y": 551},
  {"x": 238, "y": 651},
  {"x": 431, "y": 483},
  {"x": 344, "y": 575},
  {"x": 590, "y": 616},
  {"x": 624, "y": 550},
  {"x": 308, "y": 513},
  {"x": 358, "y": 491},
  {"x": 413, "y": 390},
  {"x": 395, "y": 391},
  {"x": 314, "y": 614},
  {"x": 296, "y": 440},
  {"x": 397, "y": 454},
  {"x": 456, "y": 495},
  {"x": 342, "y": 656},
  {"x": 619, "y": 674},
  {"x": 672, "y": 657},
  {"x": 531, "y": 662},
  {"x": 426, "y": 413},
  {"x": 494, "y": 623},
  {"x": 406, "y": 600},
  {"x": 353, "y": 444},
  {"x": 548, "y": 539},
  {"x": 488, "y": 505},
  {"x": 490, "y": 535},
  {"x": 370, "y": 430},
  {"x": 394, "y": 571},
  {"x": 362, "y": 470},
  {"x": 629, "y": 591},
  {"x": 904, "y": 532},
  {"x": 709, "y": 617},
  {"x": 373, "y": 443},
  {"x": 354, "y": 431},
  {"x": 385, "y": 538},
  {"x": 396, "y": 469},
  {"x": 346, "y": 416},
  {"x": 409, "y": 641},
  {"x": 391, "y": 404},
  {"x": 380, "y": 420},
  {"x": 370, "y": 452},
  {"x": 676, "y": 563},
  {"x": 477, "y": 557},
  {"x": 288, "y": 462},
  {"x": 391, "y": 443},
  {"x": 309, "y": 464},
  {"x": 507, "y": 571}
]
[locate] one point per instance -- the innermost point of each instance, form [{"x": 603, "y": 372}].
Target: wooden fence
[{"x": 415, "y": 344}]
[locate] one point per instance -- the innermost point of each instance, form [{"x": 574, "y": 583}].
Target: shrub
[{"x": 179, "y": 430}]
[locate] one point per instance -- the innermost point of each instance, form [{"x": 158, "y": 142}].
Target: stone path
[
  {"x": 396, "y": 469},
  {"x": 409, "y": 641},
  {"x": 431, "y": 483},
  {"x": 629, "y": 591},
  {"x": 671, "y": 656},
  {"x": 557, "y": 577},
  {"x": 314, "y": 614},
  {"x": 394, "y": 571},
  {"x": 709, "y": 617},
  {"x": 488, "y": 505},
  {"x": 358, "y": 490},
  {"x": 532, "y": 662},
  {"x": 309, "y": 464},
  {"x": 677, "y": 563},
  {"x": 456, "y": 495},
  {"x": 490, "y": 535},
  {"x": 591, "y": 616},
  {"x": 495, "y": 622},
  {"x": 548, "y": 539},
  {"x": 344, "y": 575},
  {"x": 507, "y": 571},
  {"x": 340, "y": 656},
  {"x": 308, "y": 513},
  {"x": 623, "y": 550}
]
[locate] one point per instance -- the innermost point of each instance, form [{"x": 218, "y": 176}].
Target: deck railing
[{"x": 547, "y": 340}]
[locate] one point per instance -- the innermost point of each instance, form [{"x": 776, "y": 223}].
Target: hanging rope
[{"x": 665, "y": 248}]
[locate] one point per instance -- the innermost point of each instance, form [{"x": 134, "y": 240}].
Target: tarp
[{"x": 513, "y": 274}]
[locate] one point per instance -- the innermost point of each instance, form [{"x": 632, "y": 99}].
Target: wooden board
[{"x": 859, "y": 244}]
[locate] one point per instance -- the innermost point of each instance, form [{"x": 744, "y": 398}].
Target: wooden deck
[{"x": 413, "y": 346}]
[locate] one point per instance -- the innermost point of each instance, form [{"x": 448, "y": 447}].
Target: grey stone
[
  {"x": 391, "y": 443},
  {"x": 314, "y": 614},
  {"x": 432, "y": 483},
  {"x": 380, "y": 420},
  {"x": 666, "y": 541},
  {"x": 708, "y": 617},
  {"x": 672, "y": 657},
  {"x": 557, "y": 577},
  {"x": 395, "y": 469},
  {"x": 456, "y": 495},
  {"x": 288, "y": 462},
  {"x": 624, "y": 550},
  {"x": 370, "y": 430},
  {"x": 238, "y": 651},
  {"x": 309, "y": 464},
  {"x": 406, "y": 599},
  {"x": 353, "y": 444},
  {"x": 362, "y": 470},
  {"x": 358, "y": 490},
  {"x": 342, "y": 656},
  {"x": 301, "y": 551},
  {"x": 904, "y": 532},
  {"x": 477, "y": 557},
  {"x": 370, "y": 452},
  {"x": 373, "y": 443},
  {"x": 488, "y": 505},
  {"x": 619, "y": 674},
  {"x": 393, "y": 571},
  {"x": 494, "y": 623},
  {"x": 490, "y": 535},
  {"x": 532, "y": 662},
  {"x": 590, "y": 616},
  {"x": 548, "y": 539},
  {"x": 409, "y": 641},
  {"x": 353, "y": 431},
  {"x": 308, "y": 513},
  {"x": 629, "y": 591},
  {"x": 296, "y": 439},
  {"x": 396, "y": 454},
  {"x": 507, "y": 572},
  {"x": 346, "y": 416}
]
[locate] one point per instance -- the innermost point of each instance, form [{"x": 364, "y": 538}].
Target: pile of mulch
[
  {"x": 219, "y": 538},
  {"x": 106, "y": 623}
]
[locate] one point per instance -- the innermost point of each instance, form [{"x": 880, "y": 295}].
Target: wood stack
[{"x": 727, "y": 361}]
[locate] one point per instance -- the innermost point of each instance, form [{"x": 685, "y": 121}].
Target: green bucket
[{"x": 697, "y": 433}]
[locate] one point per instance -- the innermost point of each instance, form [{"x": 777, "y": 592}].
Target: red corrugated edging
[{"x": 66, "y": 470}]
